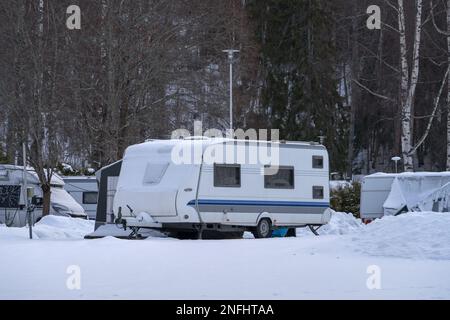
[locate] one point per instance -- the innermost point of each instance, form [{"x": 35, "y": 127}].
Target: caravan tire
[{"x": 263, "y": 229}]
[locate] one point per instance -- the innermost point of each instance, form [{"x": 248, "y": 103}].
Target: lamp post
[
  {"x": 25, "y": 191},
  {"x": 396, "y": 159},
  {"x": 321, "y": 139},
  {"x": 230, "y": 53}
]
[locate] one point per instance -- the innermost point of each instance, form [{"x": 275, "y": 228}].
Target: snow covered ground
[{"x": 408, "y": 256}]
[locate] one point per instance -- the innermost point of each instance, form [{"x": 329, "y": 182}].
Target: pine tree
[{"x": 300, "y": 88}]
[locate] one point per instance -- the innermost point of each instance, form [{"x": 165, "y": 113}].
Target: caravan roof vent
[{"x": 196, "y": 138}]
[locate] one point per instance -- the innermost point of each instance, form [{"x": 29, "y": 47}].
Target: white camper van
[
  {"x": 157, "y": 190},
  {"x": 12, "y": 197},
  {"x": 84, "y": 190}
]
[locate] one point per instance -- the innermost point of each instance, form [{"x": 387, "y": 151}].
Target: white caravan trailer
[
  {"x": 84, "y": 190},
  {"x": 156, "y": 190},
  {"x": 392, "y": 194},
  {"x": 12, "y": 197}
]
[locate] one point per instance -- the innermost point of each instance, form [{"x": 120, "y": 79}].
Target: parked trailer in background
[
  {"x": 84, "y": 190},
  {"x": 12, "y": 197},
  {"x": 156, "y": 191},
  {"x": 375, "y": 189},
  {"x": 107, "y": 178},
  {"x": 395, "y": 193}
]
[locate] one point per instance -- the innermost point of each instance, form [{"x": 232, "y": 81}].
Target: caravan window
[
  {"x": 283, "y": 178},
  {"x": 317, "y": 192},
  {"x": 90, "y": 197},
  {"x": 154, "y": 172},
  {"x": 227, "y": 175},
  {"x": 317, "y": 162},
  {"x": 9, "y": 196},
  {"x": 4, "y": 175}
]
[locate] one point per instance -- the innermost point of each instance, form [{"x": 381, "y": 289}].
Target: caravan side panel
[
  {"x": 374, "y": 191},
  {"x": 245, "y": 204}
]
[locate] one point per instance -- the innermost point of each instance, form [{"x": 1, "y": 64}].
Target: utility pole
[
  {"x": 25, "y": 190},
  {"x": 230, "y": 53}
]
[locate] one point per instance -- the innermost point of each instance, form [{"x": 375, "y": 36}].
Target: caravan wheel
[{"x": 263, "y": 229}]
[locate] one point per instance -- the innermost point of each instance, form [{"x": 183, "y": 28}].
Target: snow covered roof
[
  {"x": 32, "y": 177},
  {"x": 78, "y": 177},
  {"x": 204, "y": 142},
  {"x": 411, "y": 175}
]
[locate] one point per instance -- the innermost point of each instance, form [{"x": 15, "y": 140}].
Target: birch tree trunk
[{"x": 408, "y": 81}]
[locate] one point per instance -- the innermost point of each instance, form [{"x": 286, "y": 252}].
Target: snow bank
[
  {"x": 413, "y": 235},
  {"x": 114, "y": 230},
  {"x": 340, "y": 223},
  {"x": 51, "y": 227},
  {"x": 416, "y": 235}
]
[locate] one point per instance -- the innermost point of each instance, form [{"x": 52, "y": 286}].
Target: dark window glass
[
  {"x": 90, "y": 197},
  {"x": 227, "y": 175},
  {"x": 281, "y": 179},
  {"x": 317, "y": 162},
  {"x": 317, "y": 192}
]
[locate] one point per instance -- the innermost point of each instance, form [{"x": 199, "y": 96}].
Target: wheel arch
[{"x": 264, "y": 215}]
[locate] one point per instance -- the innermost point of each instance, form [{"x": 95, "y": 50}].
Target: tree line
[{"x": 311, "y": 68}]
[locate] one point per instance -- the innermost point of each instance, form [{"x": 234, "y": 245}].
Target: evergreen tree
[
  {"x": 3, "y": 157},
  {"x": 300, "y": 94}
]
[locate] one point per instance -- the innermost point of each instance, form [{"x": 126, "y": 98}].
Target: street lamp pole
[
  {"x": 396, "y": 159},
  {"x": 25, "y": 191},
  {"x": 230, "y": 53}
]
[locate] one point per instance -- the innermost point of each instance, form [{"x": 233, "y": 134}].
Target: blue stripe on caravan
[{"x": 260, "y": 203}]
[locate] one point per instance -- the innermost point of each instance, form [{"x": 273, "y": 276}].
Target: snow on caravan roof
[
  {"x": 167, "y": 145},
  {"x": 411, "y": 175},
  {"x": 32, "y": 175}
]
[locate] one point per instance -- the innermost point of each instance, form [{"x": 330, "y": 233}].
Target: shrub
[{"x": 346, "y": 198}]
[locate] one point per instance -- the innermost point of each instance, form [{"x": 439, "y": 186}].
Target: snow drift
[
  {"x": 412, "y": 250},
  {"x": 416, "y": 235},
  {"x": 51, "y": 227},
  {"x": 341, "y": 223}
]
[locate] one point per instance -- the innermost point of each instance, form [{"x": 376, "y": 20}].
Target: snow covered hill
[{"x": 411, "y": 253}]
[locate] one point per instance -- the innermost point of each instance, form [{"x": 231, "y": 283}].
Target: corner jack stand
[
  {"x": 134, "y": 233},
  {"x": 314, "y": 230}
]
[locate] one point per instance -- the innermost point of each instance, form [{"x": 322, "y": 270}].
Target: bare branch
[
  {"x": 436, "y": 104},
  {"x": 372, "y": 92}
]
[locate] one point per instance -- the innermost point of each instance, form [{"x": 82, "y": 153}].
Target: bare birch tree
[{"x": 409, "y": 79}]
